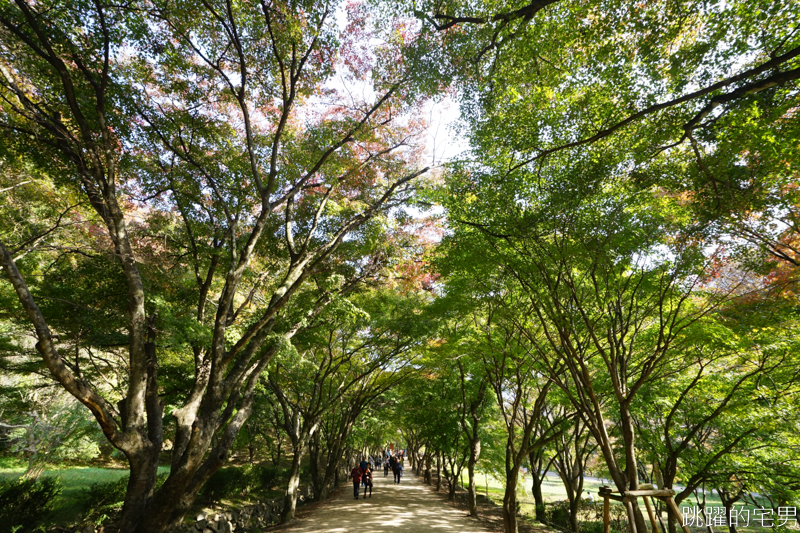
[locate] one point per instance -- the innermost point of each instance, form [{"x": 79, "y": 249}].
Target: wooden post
[
  {"x": 678, "y": 515},
  {"x": 651, "y": 513},
  {"x": 606, "y": 514}
]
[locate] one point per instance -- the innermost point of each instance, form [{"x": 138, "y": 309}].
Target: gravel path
[{"x": 409, "y": 507}]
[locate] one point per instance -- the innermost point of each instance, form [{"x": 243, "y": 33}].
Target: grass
[
  {"x": 553, "y": 491},
  {"x": 73, "y": 482},
  {"x": 68, "y": 507}
]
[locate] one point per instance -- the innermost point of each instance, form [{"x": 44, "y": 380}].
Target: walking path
[{"x": 409, "y": 507}]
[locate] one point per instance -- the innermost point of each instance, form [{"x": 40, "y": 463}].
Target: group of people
[{"x": 362, "y": 473}]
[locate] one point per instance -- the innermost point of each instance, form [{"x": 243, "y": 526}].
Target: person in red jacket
[{"x": 355, "y": 473}]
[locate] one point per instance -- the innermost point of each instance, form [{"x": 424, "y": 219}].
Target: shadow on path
[{"x": 409, "y": 507}]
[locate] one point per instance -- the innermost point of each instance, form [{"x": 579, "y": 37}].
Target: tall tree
[{"x": 218, "y": 130}]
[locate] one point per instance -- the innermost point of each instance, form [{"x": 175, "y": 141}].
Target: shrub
[
  {"x": 224, "y": 482},
  {"x": 265, "y": 477},
  {"x": 103, "y": 498},
  {"x": 24, "y": 502},
  {"x": 592, "y": 527},
  {"x": 559, "y": 515},
  {"x": 541, "y": 511}
]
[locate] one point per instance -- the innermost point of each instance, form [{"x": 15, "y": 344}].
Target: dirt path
[{"x": 409, "y": 507}]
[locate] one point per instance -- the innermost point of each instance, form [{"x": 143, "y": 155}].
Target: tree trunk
[
  {"x": 474, "y": 455},
  {"x": 452, "y": 481},
  {"x": 331, "y": 477},
  {"x": 315, "y": 455},
  {"x": 630, "y": 466},
  {"x": 728, "y": 505},
  {"x": 728, "y": 499},
  {"x": 428, "y": 479},
  {"x": 672, "y": 521},
  {"x": 438, "y": 472},
  {"x": 538, "y": 473},
  {"x": 141, "y": 485},
  {"x": 538, "y": 497},
  {"x": 510, "y": 500},
  {"x": 290, "y": 500},
  {"x": 573, "y": 515}
]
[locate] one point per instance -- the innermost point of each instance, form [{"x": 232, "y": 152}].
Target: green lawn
[
  {"x": 553, "y": 491},
  {"x": 73, "y": 481}
]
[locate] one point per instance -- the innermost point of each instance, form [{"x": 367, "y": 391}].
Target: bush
[
  {"x": 592, "y": 527},
  {"x": 224, "y": 482},
  {"x": 559, "y": 515},
  {"x": 590, "y": 516},
  {"x": 103, "y": 499},
  {"x": 265, "y": 477},
  {"x": 541, "y": 511},
  {"x": 24, "y": 502}
]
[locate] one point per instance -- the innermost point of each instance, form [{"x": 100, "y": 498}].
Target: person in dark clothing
[
  {"x": 355, "y": 473},
  {"x": 386, "y": 469},
  {"x": 398, "y": 471},
  {"x": 367, "y": 478}
]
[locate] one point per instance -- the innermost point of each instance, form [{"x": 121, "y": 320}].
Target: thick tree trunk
[
  {"x": 315, "y": 466},
  {"x": 573, "y": 515},
  {"x": 331, "y": 477},
  {"x": 325, "y": 463},
  {"x": 728, "y": 505},
  {"x": 672, "y": 521},
  {"x": 141, "y": 485},
  {"x": 538, "y": 473},
  {"x": 171, "y": 498},
  {"x": 176, "y": 496}
]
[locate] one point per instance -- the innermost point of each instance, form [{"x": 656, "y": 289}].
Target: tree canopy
[{"x": 216, "y": 209}]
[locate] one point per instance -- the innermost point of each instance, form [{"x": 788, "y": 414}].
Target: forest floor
[{"x": 410, "y": 507}]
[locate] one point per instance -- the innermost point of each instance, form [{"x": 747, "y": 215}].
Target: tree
[
  {"x": 599, "y": 309},
  {"x": 572, "y": 451},
  {"x": 551, "y": 76},
  {"x": 458, "y": 353},
  {"x": 200, "y": 137},
  {"x": 351, "y": 352},
  {"x": 573, "y": 102},
  {"x": 523, "y": 396}
]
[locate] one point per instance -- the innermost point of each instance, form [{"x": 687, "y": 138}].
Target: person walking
[
  {"x": 367, "y": 478},
  {"x": 385, "y": 468},
  {"x": 355, "y": 473},
  {"x": 398, "y": 472}
]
